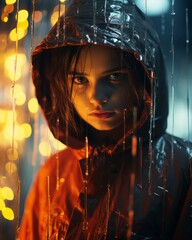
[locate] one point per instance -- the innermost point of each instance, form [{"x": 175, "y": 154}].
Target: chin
[{"x": 104, "y": 127}]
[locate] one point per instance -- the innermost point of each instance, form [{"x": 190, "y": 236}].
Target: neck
[{"x": 106, "y": 138}]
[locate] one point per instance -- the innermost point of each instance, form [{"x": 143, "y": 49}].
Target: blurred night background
[{"x": 25, "y": 141}]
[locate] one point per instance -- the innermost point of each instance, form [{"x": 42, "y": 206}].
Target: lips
[{"x": 102, "y": 114}]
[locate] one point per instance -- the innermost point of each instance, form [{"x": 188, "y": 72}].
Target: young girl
[{"x": 100, "y": 80}]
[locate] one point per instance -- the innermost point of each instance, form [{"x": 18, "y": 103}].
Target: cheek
[
  {"x": 79, "y": 101},
  {"x": 126, "y": 98},
  {"x": 120, "y": 98}
]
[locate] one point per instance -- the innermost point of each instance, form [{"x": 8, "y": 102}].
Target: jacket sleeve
[
  {"x": 34, "y": 219},
  {"x": 34, "y": 225}
]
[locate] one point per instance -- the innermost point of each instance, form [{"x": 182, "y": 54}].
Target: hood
[{"x": 115, "y": 23}]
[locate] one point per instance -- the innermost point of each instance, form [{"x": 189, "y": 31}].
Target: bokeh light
[
  {"x": 7, "y": 193},
  {"x": 10, "y": 2},
  {"x": 3, "y": 41},
  {"x": 27, "y": 129},
  {"x": 10, "y": 167},
  {"x": 17, "y": 34},
  {"x": 23, "y": 25},
  {"x": 18, "y": 133},
  {"x": 12, "y": 154},
  {"x": 8, "y": 213},
  {"x": 4, "y": 17},
  {"x": 37, "y": 16},
  {"x": 45, "y": 148},
  {"x": 9, "y": 8},
  {"x": 19, "y": 94},
  {"x": 33, "y": 105},
  {"x": 14, "y": 64},
  {"x": 58, "y": 11},
  {"x": 9, "y": 116},
  {"x": 20, "y": 98},
  {"x": 2, "y": 204},
  {"x": 22, "y": 15},
  {"x": 4, "y": 113},
  {"x": 58, "y": 145}
]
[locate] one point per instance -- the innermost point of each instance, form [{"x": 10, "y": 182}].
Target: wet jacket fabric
[
  {"x": 145, "y": 196},
  {"x": 162, "y": 212}
]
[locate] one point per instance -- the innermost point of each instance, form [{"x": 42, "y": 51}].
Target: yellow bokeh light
[
  {"x": 49, "y": 133},
  {"x": 27, "y": 129},
  {"x": 8, "y": 213},
  {"x": 57, "y": 13},
  {"x": 14, "y": 64},
  {"x": 54, "y": 142},
  {"x": 12, "y": 154},
  {"x": 45, "y": 148},
  {"x": 54, "y": 18},
  {"x": 19, "y": 133},
  {"x": 10, "y": 1},
  {"x": 24, "y": 25},
  {"x": 2, "y": 204},
  {"x": 4, "y": 17},
  {"x": 18, "y": 94},
  {"x": 10, "y": 167},
  {"x": 10, "y": 118},
  {"x": 7, "y": 193},
  {"x": 62, "y": 1},
  {"x": 10, "y": 61},
  {"x": 22, "y": 15},
  {"x": 17, "y": 89},
  {"x": 58, "y": 145},
  {"x": 14, "y": 76},
  {"x": 8, "y": 131},
  {"x": 33, "y": 105},
  {"x": 61, "y": 7},
  {"x": 17, "y": 34},
  {"x": 21, "y": 98},
  {"x": 4, "y": 114}
]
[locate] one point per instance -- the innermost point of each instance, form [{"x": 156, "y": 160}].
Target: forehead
[{"x": 97, "y": 59}]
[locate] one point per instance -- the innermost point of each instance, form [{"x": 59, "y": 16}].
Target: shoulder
[
  {"x": 172, "y": 159},
  {"x": 65, "y": 157},
  {"x": 65, "y": 161},
  {"x": 170, "y": 150},
  {"x": 176, "y": 146},
  {"x": 62, "y": 165}
]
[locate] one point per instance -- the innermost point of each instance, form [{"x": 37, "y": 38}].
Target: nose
[{"x": 98, "y": 94}]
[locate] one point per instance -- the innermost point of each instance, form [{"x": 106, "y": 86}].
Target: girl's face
[{"x": 101, "y": 88}]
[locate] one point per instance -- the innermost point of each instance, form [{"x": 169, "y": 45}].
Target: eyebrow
[
  {"x": 78, "y": 73},
  {"x": 115, "y": 69}
]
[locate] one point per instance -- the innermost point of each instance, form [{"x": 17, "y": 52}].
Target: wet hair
[{"x": 58, "y": 61}]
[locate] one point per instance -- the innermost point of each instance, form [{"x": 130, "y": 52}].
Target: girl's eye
[
  {"x": 80, "y": 80},
  {"x": 116, "y": 77}
]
